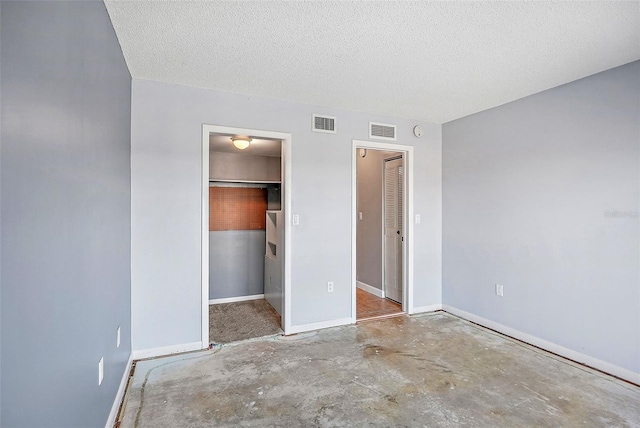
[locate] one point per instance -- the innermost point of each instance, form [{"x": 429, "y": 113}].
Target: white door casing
[{"x": 286, "y": 215}]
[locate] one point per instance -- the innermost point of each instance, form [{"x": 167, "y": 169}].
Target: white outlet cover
[
  {"x": 418, "y": 219},
  {"x": 296, "y": 219}
]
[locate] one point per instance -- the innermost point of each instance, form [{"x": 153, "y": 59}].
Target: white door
[{"x": 393, "y": 232}]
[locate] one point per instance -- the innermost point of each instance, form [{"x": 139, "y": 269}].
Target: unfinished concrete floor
[{"x": 433, "y": 370}]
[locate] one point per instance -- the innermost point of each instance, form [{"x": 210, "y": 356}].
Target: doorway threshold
[{"x": 380, "y": 317}]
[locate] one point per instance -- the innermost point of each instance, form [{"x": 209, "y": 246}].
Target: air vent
[
  {"x": 324, "y": 124},
  {"x": 382, "y": 131}
]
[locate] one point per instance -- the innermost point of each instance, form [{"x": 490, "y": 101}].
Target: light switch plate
[{"x": 100, "y": 370}]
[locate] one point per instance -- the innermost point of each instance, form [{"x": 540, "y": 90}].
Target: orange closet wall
[{"x": 237, "y": 208}]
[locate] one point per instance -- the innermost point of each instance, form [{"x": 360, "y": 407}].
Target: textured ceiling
[{"x": 432, "y": 61}]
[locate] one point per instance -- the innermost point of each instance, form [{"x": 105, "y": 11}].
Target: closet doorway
[
  {"x": 382, "y": 260},
  {"x": 244, "y": 254}
]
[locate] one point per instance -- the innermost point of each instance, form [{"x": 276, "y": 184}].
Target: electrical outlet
[
  {"x": 296, "y": 219},
  {"x": 118, "y": 337},
  {"x": 418, "y": 219},
  {"x": 499, "y": 290},
  {"x": 330, "y": 287},
  {"x": 360, "y": 215},
  {"x": 100, "y": 370}
]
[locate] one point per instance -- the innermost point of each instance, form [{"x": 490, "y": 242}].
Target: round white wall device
[{"x": 417, "y": 131}]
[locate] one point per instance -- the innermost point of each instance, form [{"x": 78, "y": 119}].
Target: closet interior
[{"x": 245, "y": 222}]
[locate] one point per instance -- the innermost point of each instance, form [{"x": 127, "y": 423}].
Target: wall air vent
[
  {"x": 382, "y": 131},
  {"x": 322, "y": 123}
]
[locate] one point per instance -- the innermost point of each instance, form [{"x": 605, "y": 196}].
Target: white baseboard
[
  {"x": 548, "y": 346},
  {"x": 236, "y": 299},
  {"x": 423, "y": 309},
  {"x": 111, "y": 420},
  {"x": 370, "y": 289},
  {"x": 167, "y": 350},
  {"x": 318, "y": 325}
]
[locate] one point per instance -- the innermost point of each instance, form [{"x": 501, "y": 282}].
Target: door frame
[
  {"x": 286, "y": 214},
  {"x": 407, "y": 226}
]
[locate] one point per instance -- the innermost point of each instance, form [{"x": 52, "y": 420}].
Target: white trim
[
  {"x": 286, "y": 208},
  {"x": 370, "y": 289},
  {"x": 236, "y": 299},
  {"x": 424, "y": 309},
  {"x": 354, "y": 228},
  {"x": 168, "y": 350},
  {"x": 113, "y": 414},
  {"x": 319, "y": 325},
  {"x": 204, "y": 251},
  {"x": 408, "y": 223},
  {"x": 239, "y": 184},
  {"x": 215, "y": 180},
  {"x": 595, "y": 363},
  {"x": 285, "y": 189},
  {"x": 407, "y": 272}
]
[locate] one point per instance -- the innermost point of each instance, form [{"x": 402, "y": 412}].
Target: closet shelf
[{"x": 215, "y": 180}]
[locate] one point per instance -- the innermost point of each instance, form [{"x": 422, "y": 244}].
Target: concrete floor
[{"x": 433, "y": 370}]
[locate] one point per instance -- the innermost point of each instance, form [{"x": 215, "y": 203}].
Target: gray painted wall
[
  {"x": 65, "y": 195},
  {"x": 529, "y": 188},
  {"x": 369, "y": 229},
  {"x": 236, "y": 263},
  {"x": 236, "y": 257},
  {"x": 236, "y": 166},
  {"x": 166, "y": 195}
]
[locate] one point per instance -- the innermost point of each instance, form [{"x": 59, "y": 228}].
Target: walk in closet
[{"x": 245, "y": 221}]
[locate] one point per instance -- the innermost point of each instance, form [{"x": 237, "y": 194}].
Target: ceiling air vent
[
  {"x": 324, "y": 124},
  {"x": 382, "y": 131}
]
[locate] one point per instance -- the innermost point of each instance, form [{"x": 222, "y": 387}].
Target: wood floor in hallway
[{"x": 370, "y": 306}]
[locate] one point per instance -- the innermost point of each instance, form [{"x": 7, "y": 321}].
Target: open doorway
[
  {"x": 382, "y": 258},
  {"x": 244, "y": 269}
]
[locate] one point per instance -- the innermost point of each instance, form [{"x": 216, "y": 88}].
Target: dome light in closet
[{"x": 241, "y": 142}]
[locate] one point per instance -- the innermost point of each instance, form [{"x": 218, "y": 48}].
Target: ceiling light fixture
[{"x": 241, "y": 141}]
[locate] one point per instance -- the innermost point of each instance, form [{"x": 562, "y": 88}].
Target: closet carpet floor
[{"x": 232, "y": 322}]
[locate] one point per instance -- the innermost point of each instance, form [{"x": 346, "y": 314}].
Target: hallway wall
[{"x": 370, "y": 203}]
